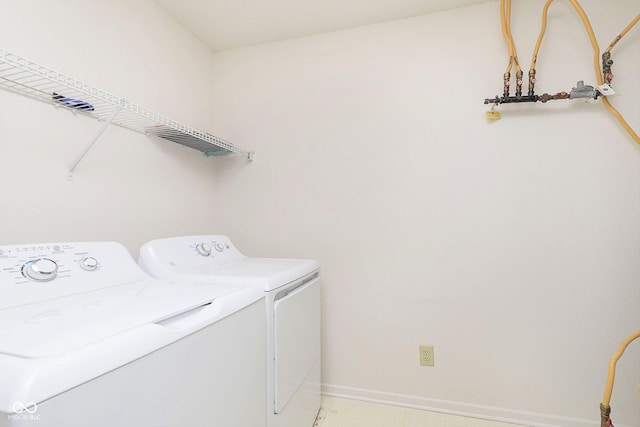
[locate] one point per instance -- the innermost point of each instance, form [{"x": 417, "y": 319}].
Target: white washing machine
[
  {"x": 88, "y": 339},
  {"x": 292, "y": 293}
]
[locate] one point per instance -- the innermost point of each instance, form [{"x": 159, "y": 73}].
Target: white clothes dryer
[
  {"x": 292, "y": 293},
  {"x": 88, "y": 338}
]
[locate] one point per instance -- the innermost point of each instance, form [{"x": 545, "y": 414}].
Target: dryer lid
[
  {"x": 58, "y": 326},
  {"x": 267, "y": 273}
]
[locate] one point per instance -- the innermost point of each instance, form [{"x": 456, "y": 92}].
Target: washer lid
[
  {"x": 57, "y": 326},
  {"x": 267, "y": 273}
]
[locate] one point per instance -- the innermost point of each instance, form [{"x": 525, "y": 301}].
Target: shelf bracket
[{"x": 93, "y": 141}]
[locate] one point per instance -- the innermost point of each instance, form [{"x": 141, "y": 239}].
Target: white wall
[
  {"x": 129, "y": 188},
  {"x": 511, "y": 246}
]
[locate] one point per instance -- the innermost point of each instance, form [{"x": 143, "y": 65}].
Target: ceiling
[{"x": 224, "y": 24}]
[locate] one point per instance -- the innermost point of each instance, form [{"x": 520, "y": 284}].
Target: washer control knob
[
  {"x": 219, "y": 246},
  {"x": 89, "y": 263},
  {"x": 203, "y": 249},
  {"x": 41, "y": 270}
]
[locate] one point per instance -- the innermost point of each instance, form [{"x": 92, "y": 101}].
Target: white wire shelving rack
[{"x": 38, "y": 82}]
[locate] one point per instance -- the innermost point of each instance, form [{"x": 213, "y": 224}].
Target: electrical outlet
[{"x": 426, "y": 355}]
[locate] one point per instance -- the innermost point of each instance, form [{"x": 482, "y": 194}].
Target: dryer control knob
[
  {"x": 219, "y": 247},
  {"x": 41, "y": 270},
  {"x": 89, "y": 263},
  {"x": 203, "y": 249}
]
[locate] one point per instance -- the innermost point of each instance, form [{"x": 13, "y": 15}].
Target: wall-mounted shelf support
[
  {"x": 93, "y": 141},
  {"x": 19, "y": 75}
]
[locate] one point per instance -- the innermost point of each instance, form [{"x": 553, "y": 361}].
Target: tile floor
[{"x": 337, "y": 412}]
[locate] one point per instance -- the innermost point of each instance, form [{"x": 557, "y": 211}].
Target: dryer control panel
[
  {"x": 172, "y": 257},
  {"x": 213, "y": 258},
  {"x": 208, "y": 247},
  {"x": 37, "y": 272}
]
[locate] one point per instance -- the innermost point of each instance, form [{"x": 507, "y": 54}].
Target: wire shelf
[{"x": 38, "y": 82}]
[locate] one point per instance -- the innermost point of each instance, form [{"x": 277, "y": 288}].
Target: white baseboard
[{"x": 492, "y": 413}]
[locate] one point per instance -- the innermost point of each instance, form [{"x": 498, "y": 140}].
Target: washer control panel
[
  {"x": 45, "y": 263},
  {"x": 88, "y": 263},
  {"x": 40, "y": 269},
  {"x": 31, "y": 273}
]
